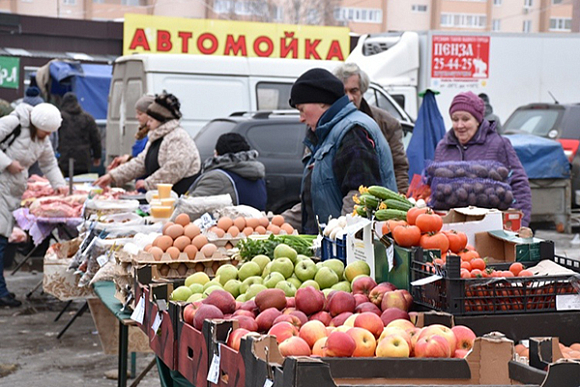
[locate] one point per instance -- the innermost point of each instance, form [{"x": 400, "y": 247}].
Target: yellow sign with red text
[{"x": 172, "y": 35}]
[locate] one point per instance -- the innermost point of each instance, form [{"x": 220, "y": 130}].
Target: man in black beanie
[{"x": 347, "y": 150}]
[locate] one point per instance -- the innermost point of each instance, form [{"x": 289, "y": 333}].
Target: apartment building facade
[{"x": 361, "y": 16}]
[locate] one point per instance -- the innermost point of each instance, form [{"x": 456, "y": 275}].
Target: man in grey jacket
[{"x": 356, "y": 83}]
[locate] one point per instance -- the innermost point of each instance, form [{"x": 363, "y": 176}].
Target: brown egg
[
  {"x": 168, "y": 224},
  {"x": 174, "y": 231},
  {"x": 240, "y": 222},
  {"x": 199, "y": 241},
  {"x": 156, "y": 252},
  {"x": 182, "y": 270},
  {"x": 252, "y": 222},
  {"x": 288, "y": 228},
  {"x": 217, "y": 231},
  {"x": 181, "y": 242},
  {"x": 248, "y": 231},
  {"x": 191, "y": 231},
  {"x": 199, "y": 267},
  {"x": 260, "y": 230},
  {"x": 173, "y": 252},
  {"x": 164, "y": 270},
  {"x": 278, "y": 220},
  {"x": 224, "y": 223},
  {"x": 229, "y": 246},
  {"x": 233, "y": 231},
  {"x": 264, "y": 222},
  {"x": 182, "y": 219},
  {"x": 191, "y": 251},
  {"x": 146, "y": 248},
  {"x": 208, "y": 250},
  {"x": 163, "y": 242},
  {"x": 274, "y": 229}
]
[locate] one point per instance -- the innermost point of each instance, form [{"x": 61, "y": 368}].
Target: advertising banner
[
  {"x": 171, "y": 35},
  {"x": 460, "y": 57},
  {"x": 9, "y": 72}
]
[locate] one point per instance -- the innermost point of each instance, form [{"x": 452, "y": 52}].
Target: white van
[{"x": 208, "y": 87}]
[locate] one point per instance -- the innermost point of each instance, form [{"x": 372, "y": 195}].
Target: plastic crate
[
  {"x": 334, "y": 249},
  {"x": 568, "y": 263},
  {"x": 480, "y": 296}
]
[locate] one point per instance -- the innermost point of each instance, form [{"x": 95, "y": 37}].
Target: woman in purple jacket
[{"x": 475, "y": 138}]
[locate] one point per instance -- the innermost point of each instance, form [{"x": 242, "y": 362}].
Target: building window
[
  {"x": 496, "y": 25},
  {"x": 243, "y": 8},
  {"x": 418, "y": 8},
  {"x": 528, "y": 3},
  {"x": 497, "y": 3},
  {"x": 99, "y": 1},
  {"x": 359, "y": 15},
  {"x": 557, "y": 2},
  {"x": 461, "y": 20},
  {"x": 527, "y": 26},
  {"x": 131, "y": 2},
  {"x": 560, "y": 24},
  {"x": 69, "y": 2}
]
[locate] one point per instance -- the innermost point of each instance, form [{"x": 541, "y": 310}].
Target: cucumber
[
  {"x": 393, "y": 204},
  {"x": 369, "y": 200},
  {"x": 361, "y": 210},
  {"x": 390, "y": 214},
  {"x": 385, "y": 193}
]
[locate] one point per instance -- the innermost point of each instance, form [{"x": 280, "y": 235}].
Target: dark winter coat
[
  {"x": 487, "y": 144},
  {"x": 79, "y": 137}
]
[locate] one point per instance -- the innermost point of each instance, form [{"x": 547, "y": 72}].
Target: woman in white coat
[{"x": 18, "y": 152}]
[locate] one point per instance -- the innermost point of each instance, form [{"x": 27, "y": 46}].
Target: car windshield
[
  {"x": 533, "y": 121},
  {"x": 209, "y": 134}
]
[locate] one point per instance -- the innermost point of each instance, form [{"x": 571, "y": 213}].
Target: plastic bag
[
  {"x": 475, "y": 169},
  {"x": 486, "y": 193},
  {"x": 197, "y": 206}
]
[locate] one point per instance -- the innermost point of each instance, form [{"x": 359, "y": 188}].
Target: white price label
[
  {"x": 568, "y": 302},
  {"x": 139, "y": 312},
  {"x": 206, "y": 221},
  {"x": 214, "y": 369},
  {"x": 391, "y": 256},
  {"x": 426, "y": 280},
  {"x": 268, "y": 383},
  {"x": 156, "y": 323},
  {"x": 102, "y": 260}
]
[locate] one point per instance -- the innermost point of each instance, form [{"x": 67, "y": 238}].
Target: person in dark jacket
[
  {"x": 489, "y": 114},
  {"x": 347, "y": 149},
  {"x": 79, "y": 137},
  {"x": 233, "y": 170},
  {"x": 356, "y": 83},
  {"x": 475, "y": 138}
]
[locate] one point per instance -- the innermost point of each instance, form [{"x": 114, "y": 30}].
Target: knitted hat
[
  {"x": 143, "y": 103},
  {"x": 231, "y": 143},
  {"x": 46, "y": 117},
  {"x": 316, "y": 86},
  {"x": 32, "y": 96},
  {"x": 164, "y": 108},
  {"x": 468, "y": 102}
]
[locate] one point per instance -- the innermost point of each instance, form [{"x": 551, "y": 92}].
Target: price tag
[
  {"x": 391, "y": 256},
  {"x": 568, "y": 302},
  {"x": 214, "y": 369},
  {"x": 139, "y": 312},
  {"x": 268, "y": 383},
  {"x": 156, "y": 323},
  {"x": 205, "y": 221},
  {"x": 426, "y": 280},
  {"x": 102, "y": 260},
  {"x": 162, "y": 305}
]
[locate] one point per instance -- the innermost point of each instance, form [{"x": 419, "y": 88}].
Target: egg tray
[
  {"x": 221, "y": 242},
  {"x": 146, "y": 257},
  {"x": 174, "y": 269}
]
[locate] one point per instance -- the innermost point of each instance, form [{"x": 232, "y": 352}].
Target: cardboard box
[
  {"x": 359, "y": 242},
  {"x": 506, "y": 246},
  {"x": 472, "y": 220},
  {"x": 162, "y": 340},
  {"x": 512, "y": 219},
  {"x": 557, "y": 375},
  {"x": 192, "y": 352}
]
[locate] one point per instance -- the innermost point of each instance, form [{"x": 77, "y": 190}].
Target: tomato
[
  {"x": 507, "y": 273},
  {"x": 476, "y": 273},
  {"x": 457, "y": 240},
  {"x": 516, "y": 268},
  {"x": 429, "y": 223},
  {"x": 478, "y": 263},
  {"x": 437, "y": 241},
  {"x": 525, "y": 273},
  {"x": 414, "y": 212},
  {"x": 407, "y": 236},
  {"x": 468, "y": 255},
  {"x": 466, "y": 265},
  {"x": 391, "y": 224},
  {"x": 465, "y": 273}
]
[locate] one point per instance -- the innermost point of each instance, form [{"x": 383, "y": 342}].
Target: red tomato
[
  {"x": 437, "y": 241},
  {"x": 457, "y": 240},
  {"x": 465, "y": 273},
  {"x": 429, "y": 223},
  {"x": 476, "y": 273},
  {"x": 525, "y": 273},
  {"x": 414, "y": 212},
  {"x": 478, "y": 263},
  {"x": 516, "y": 268},
  {"x": 468, "y": 255},
  {"x": 391, "y": 224},
  {"x": 407, "y": 236},
  {"x": 466, "y": 265}
]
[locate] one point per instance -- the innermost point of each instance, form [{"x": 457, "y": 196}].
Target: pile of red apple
[{"x": 371, "y": 321}]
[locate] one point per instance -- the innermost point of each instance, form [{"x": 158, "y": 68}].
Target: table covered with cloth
[{"x": 40, "y": 228}]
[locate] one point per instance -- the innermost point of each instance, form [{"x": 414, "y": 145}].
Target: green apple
[
  {"x": 261, "y": 260},
  {"x": 326, "y": 277},
  {"x": 180, "y": 293},
  {"x": 294, "y": 281},
  {"x": 267, "y": 269},
  {"x": 208, "y": 291},
  {"x": 197, "y": 278},
  {"x": 301, "y": 257},
  {"x": 356, "y": 268},
  {"x": 319, "y": 264},
  {"x": 249, "y": 269},
  {"x": 342, "y": 285},
  {"x": 312, "y": 283},
  {"x": 283, "y": 265},
  {"x": 288, "y": 288},
  {"x": 213, "y": 282},
  {"x": 226, "y": 272},
  {"x": 283, "y": 250},
  {"x": 272, "y": 279},
  {"x": 305, "y": 269},
  {"x": 253, "y": 290},
  {"x": 195, "y": 297},
  {"x": 196, "y": 288},
  {"x": 249, "y": 282},
  {"x": 233, "y": 287},
  {"x": 241, "y": 298},
  {"x": 336, "y": 265}
]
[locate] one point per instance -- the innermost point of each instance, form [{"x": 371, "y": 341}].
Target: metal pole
[{"x": 71, "y": 172}]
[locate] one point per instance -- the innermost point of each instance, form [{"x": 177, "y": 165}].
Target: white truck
[{"x": 512, "y": 69}]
